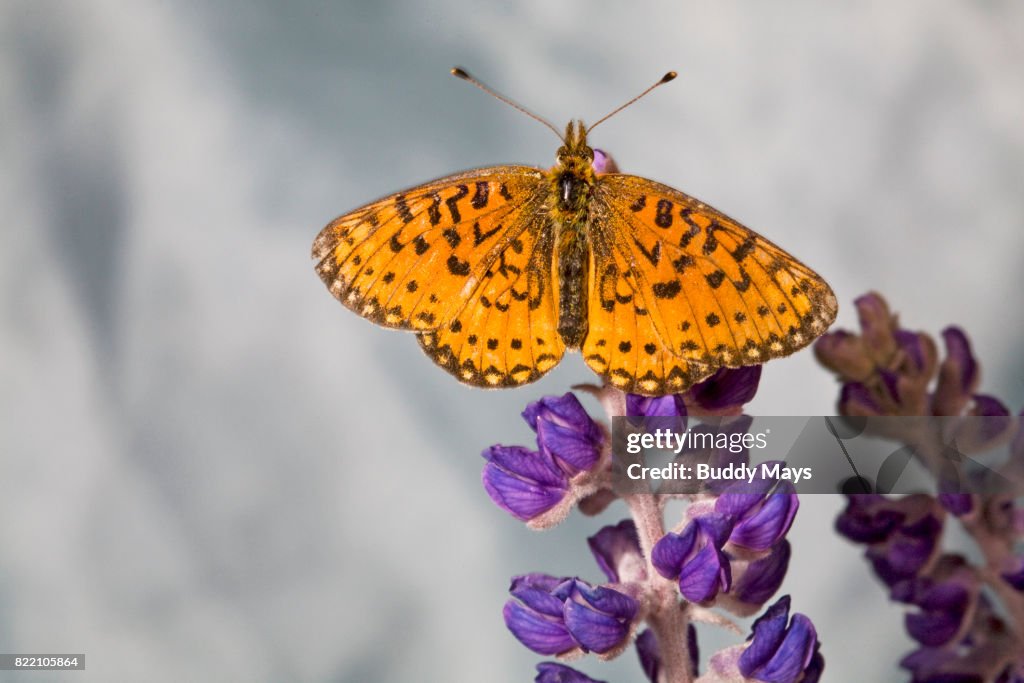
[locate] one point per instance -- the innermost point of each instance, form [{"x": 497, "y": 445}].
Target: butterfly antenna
[
  {"x": 664, "y": 79},
  {"x": 464, "y": 75}
]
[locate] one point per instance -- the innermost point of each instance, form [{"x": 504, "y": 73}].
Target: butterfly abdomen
[{"x": 573, "y": 274}]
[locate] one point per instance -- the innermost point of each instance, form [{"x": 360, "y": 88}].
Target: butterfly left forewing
[
  {"x": 710, "y": 292},
  {"x": 403, "y": 261}
]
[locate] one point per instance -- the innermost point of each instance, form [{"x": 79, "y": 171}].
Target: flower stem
[{"x": 667, "y": 618}]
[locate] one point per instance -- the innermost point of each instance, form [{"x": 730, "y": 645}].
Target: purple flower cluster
[
  {"x": 729, "y": 551},
  {"x": 967, "y": 620},
  {"x": 541, "y": 486}
]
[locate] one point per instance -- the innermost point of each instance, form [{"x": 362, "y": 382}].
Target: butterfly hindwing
[
  {"x": 506, "y": 333},
  {"x": 687, "y": 290}
]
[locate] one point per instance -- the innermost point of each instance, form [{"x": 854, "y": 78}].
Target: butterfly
[{"x": 500, "y": 270}]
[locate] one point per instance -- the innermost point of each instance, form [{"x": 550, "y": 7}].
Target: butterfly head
[
  {"x": 573, "y": 177},
  {"x": 574, "y": 144}
]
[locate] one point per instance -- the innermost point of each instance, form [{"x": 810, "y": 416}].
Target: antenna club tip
[
  {"x": 459, "y": 72},
  {"x": 668, "y": 77}
]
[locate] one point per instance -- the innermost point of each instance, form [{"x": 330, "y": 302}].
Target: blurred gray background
[{"x": 209, "y": 470}]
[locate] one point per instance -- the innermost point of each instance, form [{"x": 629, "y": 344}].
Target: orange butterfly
[{"x": 499, "y": 270}]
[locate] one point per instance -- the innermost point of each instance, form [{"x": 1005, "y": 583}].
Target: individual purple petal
[
  {"x": 573, "y": 450},
  {"x": 943, "y": 606},
  {"x": 762, "y": 577},
  {"x": 565, "y": 432},
  {"x": 907, "y": 550},
  {"x": 543, "y": 635},
  {"x": 726, "y": 390},
  {"x": 958, "y": 374},
  {"x": 704, "y": 575},
  {"x": 768, "y": 630},
  {"x": 761, "y": 525},
  {"x": 739, "y": 499},
  {"x": 522, "y": 482},
  {"x": 870, "y": 518},
  {"x": 594, "y": 631},
  {"x": 542, "y": 593},
  {"x": 778, "y": 654},
  {"x": 565, "y": 410},
  {"x": 671, "y": 405},
  {"x": 915, "y": 347},
  {"x": 617, "y": 548},
  {"x": 695, "y": 557},
  {"x": 671, "y": 551},
  {"x": 552, "y": 672},
  {"x": 524, "y": 463},
  {"x": 607, "y": 600},
  {"x": 599, "y": 618},
  {"x": 648, "y": 649},
  {"x": 856, "y": 399}
]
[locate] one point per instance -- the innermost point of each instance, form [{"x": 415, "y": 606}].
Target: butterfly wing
[
  {"x": 465, "y": 261},
  {"x": 679, "y": 290}
]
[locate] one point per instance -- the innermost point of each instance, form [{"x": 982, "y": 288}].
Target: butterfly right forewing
[{"x": 704, "y": 291}]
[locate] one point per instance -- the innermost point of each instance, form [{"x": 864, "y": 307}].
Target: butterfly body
[
  {"x": 572, "y": 185},
  {"x": 501, "y": 269}
]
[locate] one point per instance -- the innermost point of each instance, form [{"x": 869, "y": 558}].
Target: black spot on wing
[
  {"x": 479, "y": 199},
  {"x": 457, "y": 267},
  {"x": 402, "y": 207},
  {"x": 663, "y": 213},
  {"x": 453, "y": 203},
  {"x": 667, "y": 290},
  {"x": 451, "y": 235}
]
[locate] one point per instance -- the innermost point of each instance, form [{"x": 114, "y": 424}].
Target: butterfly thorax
[{"x": 571, "y": 183}]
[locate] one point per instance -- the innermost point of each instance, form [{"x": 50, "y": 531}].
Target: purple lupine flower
[
  {"x": 565, "y": 432},
  {"x": 551, "y": 672},
  {"x": 536, "y": 616},
  {"x": 522, "y": 482},
  {"x": 695, "y": 557},
  {"x": 553, "y": 615},
  {"x": 617, "y": 551},
  {"x": 902, "y": 534},
  {"x": 599, "y": 618},
  {"x": 780, "y": 649},
  {"x": 725, "y": 392},
  {"x": 943, "y": 608},
  {"x": 988, "y": 650},
  {"x": 756, "y": 581},
  {"x": 762, "y": 513}
]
